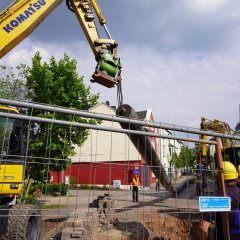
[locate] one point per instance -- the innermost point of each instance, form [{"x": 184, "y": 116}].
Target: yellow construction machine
[
  {"x": 12, "y": 152},
  {"x": 17, "y": 21},
  {"x": 230, "y": 147},
  {"x": 206, "y": 159},
  {"x": 17, "y": 221}
]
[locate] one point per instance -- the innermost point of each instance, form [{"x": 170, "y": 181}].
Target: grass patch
[{"x": 52, "y": 206}]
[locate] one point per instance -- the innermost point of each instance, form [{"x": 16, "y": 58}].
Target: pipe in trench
[{"x": 146, "y": 149}]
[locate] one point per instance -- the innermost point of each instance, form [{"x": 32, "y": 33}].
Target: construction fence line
[
  {"x": 91, "y": 197},
  {"x": 87, "y": 114},
  {"x": 102, "y": 128}
]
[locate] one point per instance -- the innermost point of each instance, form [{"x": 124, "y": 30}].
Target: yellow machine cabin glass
[{"x": 6, "y": 128}]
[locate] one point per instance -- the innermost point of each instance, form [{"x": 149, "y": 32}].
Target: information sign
[
  {"x": 214, "y": 204},
  {"x": 116, "y": 184}
]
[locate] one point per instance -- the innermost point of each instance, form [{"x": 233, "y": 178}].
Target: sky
[{"x": 181, "y": 58}]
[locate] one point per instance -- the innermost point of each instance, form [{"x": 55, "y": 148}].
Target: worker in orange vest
[{"x": 135, "y": 184}]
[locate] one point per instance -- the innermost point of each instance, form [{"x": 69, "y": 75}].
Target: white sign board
[{"x": 116, "y": 184}]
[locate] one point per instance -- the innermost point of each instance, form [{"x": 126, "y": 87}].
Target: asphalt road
[{"x": 79, "y": 201}]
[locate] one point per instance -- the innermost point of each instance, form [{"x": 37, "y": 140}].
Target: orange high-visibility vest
[{"x": 135, "y": 182}]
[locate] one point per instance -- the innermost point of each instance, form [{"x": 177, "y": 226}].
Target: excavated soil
[
  {"x": 52, "y": 229},
  {"x": 169, "y": 227},
  {"x": 161, "y": 227}
]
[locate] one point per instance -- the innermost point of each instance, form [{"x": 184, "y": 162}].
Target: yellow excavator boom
[
  {"x": 21, "y": 17},
  {"x": 19, "y": 20},
  {"x": 215, "y": 126}
]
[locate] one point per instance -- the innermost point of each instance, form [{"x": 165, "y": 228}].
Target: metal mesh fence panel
[{"x": 88, "y": 192}]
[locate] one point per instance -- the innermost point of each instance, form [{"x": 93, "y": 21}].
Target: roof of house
[
  {"x": 112, "y": 108},
  {"x": 142, "y": 115}
]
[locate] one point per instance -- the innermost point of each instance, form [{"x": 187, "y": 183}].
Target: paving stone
[{"x": 78, "y": 223}]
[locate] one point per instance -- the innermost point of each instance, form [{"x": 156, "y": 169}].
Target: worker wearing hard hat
[{"x": 232, "y": 191}]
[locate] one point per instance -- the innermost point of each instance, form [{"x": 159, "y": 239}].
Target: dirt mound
[
  {"x": 157, "y": 227},
  {"x": 167, "y": 227}
]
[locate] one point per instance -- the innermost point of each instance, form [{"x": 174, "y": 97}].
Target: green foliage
[
  {"x": 174, "y": 160},
  {"x": 34, "y": 187},
  {"x": 50, "y": 189},
  {"x": 86, "y": 186},
  {"x": 73, "y": 182},
  {"x": 12, "y": 85},
  {"x": 29, "y": 200},
  {"x": 52, "y": 206},
  {"x": 186, "y": 158},
  {"x": 57, "y": 83}
]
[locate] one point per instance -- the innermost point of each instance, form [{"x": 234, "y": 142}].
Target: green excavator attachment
[{"x": 108, "y": 71}]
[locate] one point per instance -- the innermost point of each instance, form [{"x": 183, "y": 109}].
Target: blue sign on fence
[
  {"x": 214, "y": 204},
  {"x": 136, "y": 171}
]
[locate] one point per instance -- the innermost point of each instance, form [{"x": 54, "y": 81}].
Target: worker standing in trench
[
  {"x": 232, "y": 191},
  {"x": 135, "y": 184}
]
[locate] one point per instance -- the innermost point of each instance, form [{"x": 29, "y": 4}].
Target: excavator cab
[
  {"x": 232, "y": 154},
  {"x": 11, "y": 154}
]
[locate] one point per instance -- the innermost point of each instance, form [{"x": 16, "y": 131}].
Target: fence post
[{"x": 221, "y": 187}]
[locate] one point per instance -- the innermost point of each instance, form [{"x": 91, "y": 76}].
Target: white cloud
[
  {"x": 180, "y": 88},
  {"x": 206, "y": 6},
  {"x": 80, "y": 51}
]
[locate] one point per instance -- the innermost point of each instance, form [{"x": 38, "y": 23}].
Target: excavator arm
[
  {"x": 215, "y": 126},
  {"x": 108, "y": 70},
  {"x": 21, "y": 17},
  {"x": 19, "y": 20}
]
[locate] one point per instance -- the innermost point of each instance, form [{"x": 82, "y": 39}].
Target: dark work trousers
[{"x": 135, "y": 193}]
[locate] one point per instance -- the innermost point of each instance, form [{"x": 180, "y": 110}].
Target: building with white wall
[{"x": 108, "y": 156}]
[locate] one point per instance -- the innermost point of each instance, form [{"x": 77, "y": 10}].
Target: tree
[
  {"x": 186, "y": 158},
  {"x": 174, "y": 160},
  {"x": 57, "y": 83},
  {"x": 11, "y": 85}
]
